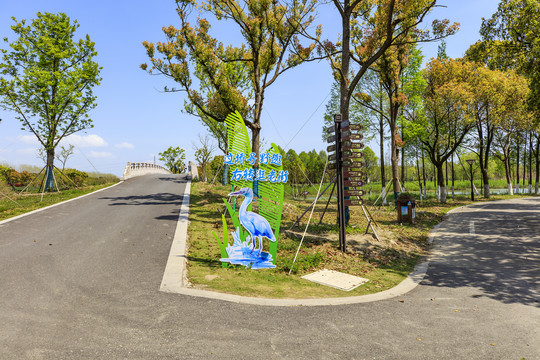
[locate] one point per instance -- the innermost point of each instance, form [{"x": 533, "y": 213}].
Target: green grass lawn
[{"x": 384, "y": 263}]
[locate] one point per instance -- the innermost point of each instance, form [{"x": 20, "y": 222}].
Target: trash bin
[{"x": 406, "y": 207}]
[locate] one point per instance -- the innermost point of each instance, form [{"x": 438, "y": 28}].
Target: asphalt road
[{"x": 81, "y": 280}]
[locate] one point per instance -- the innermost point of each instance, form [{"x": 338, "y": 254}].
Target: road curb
[
  {"x": 57, "y": 204},
  {"x": 175, "y": 275}
]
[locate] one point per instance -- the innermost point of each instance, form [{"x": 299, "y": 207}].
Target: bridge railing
[{"x": 142, "y": 168}]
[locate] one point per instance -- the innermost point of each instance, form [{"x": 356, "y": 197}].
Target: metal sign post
[
  {"x": 339, "y": 182},
  {"x": 350, "y": 177}
]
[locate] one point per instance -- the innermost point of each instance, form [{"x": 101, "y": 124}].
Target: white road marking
[{"x": 471, "y": 228}]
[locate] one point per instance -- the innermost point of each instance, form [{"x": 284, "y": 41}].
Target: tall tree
[
  {"x": 173, "y": 158},
  {"x": 203, "y": 154},
  {"x": 447, "y": 119},
  {"x": 399, "y": 73},
  {"x": 368, "y": 29},
  {"x": 510, "y": 40},
  {"x": 488, "y": 88},
  {"x": 371, "y": 96},
  {"x": 47, "y": 79},
  {"x": 231, "y": 77},
  {"x": 514, "y": 118},
  {"x": 65, "y": 154}
]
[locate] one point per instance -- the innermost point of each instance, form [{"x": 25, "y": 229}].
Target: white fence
[{"x": 138, "y": 169}]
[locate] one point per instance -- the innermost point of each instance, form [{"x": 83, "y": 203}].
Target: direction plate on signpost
[
  {"x": 355, "y": 192},
  {"x": 331, "y": 148},
  {"x": 353, "y": 202},
  {"x": 355, "y": 154},
  {"x": 350, "y": 136},
  {"x": 351, "y": 128},
  {"x": 353, "y": 183},
  {"x": 344, "y": 124},
  {"x": 354, "y": 164},
  {"x": 349, "y": 145}
]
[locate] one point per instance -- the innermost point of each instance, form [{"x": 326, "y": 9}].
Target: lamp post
[{"x": 471, "y": 162}]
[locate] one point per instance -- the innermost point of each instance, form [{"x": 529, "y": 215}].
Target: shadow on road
[
  {"x": 175, "y": 178},
  {"x": 172, "y": 217},
  {"x": 150, "y": 199},
  {"x": 499, "y": 254}
]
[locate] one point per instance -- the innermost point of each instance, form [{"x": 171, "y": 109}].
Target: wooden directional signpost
[{"x": 345, "y": 156}]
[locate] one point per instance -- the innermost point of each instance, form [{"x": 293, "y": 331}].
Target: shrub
[
  {"x": 9, "y": 175},
  {"x": 77, "y": 176},
  {"x": 25, "y": 177}
]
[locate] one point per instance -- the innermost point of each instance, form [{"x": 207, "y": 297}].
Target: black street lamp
[{"x": 471, "y": 162}]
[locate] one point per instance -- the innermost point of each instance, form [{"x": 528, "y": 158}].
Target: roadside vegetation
[
  {"x": 20, "y": 190},
  {"x": 385, "y": 263}
]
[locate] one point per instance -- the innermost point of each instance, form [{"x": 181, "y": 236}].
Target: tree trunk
[
  {"x": 225, "y": 177},
  {"x": 446, "y": 174},
  {"x": 524, "y": 165},
  {"x": 530, "y": 161},
  {"x": 345, "y": 93},
  {"x": 418, "y": 175},
  {"x": 537, "y": 155},
  {"x": 453, "y": 177},
  {"x": 440, "y": 183},
  {"x": 381, "y": 142},
  {"x": 424, "y": 174},
  {"x": 395, "y": 162},
  {"x": 402, "y": 164},
  {"x": 485, "y": 180},
  {"x": 517, "y": 169},
  {"x": 507, "y": 170},
  {"x": 49, "y": 182},
  {"x": 255, "y": 142}
]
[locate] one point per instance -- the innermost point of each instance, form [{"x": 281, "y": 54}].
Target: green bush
[{"x": 78, "y": 177}]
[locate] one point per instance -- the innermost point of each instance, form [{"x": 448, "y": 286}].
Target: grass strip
[
  {"x": 29, "y": 202},
  {"x": 385, "y": 263}
]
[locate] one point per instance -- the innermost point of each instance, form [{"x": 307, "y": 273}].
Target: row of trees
[
  {"x": 483, "y": 102},
  {"x": 277, "y": 36},
  {"x": 451, "y": 104}
]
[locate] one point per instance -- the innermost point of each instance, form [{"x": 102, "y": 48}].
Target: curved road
[{"x": 81, "y": 280}]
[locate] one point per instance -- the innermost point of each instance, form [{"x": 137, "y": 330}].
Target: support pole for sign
[
  {"x": 328, "y": 202},
  {"x": 371, "y": 221},
  {"x": 313, "y": 204},
  {"x": 339, "y": 184}
]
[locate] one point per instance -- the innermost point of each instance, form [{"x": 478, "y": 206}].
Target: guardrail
[{"x": 141, "y": 168}]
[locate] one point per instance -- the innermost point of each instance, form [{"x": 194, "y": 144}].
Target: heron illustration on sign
[{"x": 256, "y": 225}]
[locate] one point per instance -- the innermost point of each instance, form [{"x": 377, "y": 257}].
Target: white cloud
[
  {"x": 28, "y": 151},
  {"x": 28, "y": 139},
  {"x": 91, "y": 140},
  {"x": 124, "y": 145},
  {"x": 100, "y": 154}
]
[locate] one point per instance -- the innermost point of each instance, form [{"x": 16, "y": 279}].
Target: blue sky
[{"x": 134, "y": 120}]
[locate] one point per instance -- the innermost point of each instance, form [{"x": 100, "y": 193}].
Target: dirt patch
[{"x": 357, "y": 242}]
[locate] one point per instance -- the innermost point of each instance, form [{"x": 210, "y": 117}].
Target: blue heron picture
[{"x": 258, "y": 227}]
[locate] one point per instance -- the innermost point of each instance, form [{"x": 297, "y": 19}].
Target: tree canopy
[
  {"x": 47, "y": 78},
  {"x": 510, "y": 41},
  {"x": 219, "y": 79},
  {"x": 174, "y": 158}
]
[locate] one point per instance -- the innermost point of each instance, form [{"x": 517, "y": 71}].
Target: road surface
[{"x": 81, "y": 280}]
